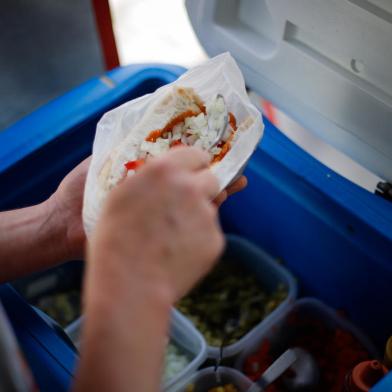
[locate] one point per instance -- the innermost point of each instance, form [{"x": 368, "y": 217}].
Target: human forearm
[
  {"x": 142, "y": 257},
  {"x": 31, "y": 239},
  {"x": 124, "y": 337}
]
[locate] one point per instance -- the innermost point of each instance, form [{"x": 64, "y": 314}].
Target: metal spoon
[
  {"x": 212, "y": 124},
  {"x": 306, "y": 373},
  {"x": 230, "y": 326}
]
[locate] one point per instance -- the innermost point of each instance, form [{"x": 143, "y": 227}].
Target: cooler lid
[{"x": 326, "y": 63}]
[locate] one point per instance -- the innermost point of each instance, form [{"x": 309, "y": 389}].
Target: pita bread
[
  {"x": 121, "y": 131},
  {"x": 179, "y": 100}
]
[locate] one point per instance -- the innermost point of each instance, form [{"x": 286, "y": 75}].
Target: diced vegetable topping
[
  {"x": 176, "y": 360},
  {"x": 134, "y": 165},
  {"x": 189, "y": 128},
  {"x": 229, "y": 292}
]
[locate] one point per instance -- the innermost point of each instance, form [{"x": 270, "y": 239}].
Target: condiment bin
[
  {"x": 273, "y": 341},
  {"x": 55, "y": 291},
  {"x": 269, "y": 274},
  {"x": 315, "y": 61},
  {"x": 330, "y": 263},
  {"x": 73, "y": 331},
  {"x": 207, "y": 378},
  {"x": 182, "y": 333}
]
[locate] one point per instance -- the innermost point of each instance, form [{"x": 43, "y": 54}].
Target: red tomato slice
[{"x": 134, "y": 165}]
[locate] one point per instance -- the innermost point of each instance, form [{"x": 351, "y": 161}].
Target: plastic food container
[
  {"x": 335, "y": 236},
  {"x": 279, "y": 331},
  {"x": 205, "y": 379},
  {"x": 184, "y": 335},
  {"x": 270, "y": 275},
  {"x": 73, "y": 331},
  {"x": 55, "y": 292}
]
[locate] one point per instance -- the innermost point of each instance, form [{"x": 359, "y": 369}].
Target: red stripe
[
  {"x": 103, "y": 21},
  {"x": 270, "y": 111}
]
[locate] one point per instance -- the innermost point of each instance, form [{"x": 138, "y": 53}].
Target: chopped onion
[{"x": 176, "y": 360}]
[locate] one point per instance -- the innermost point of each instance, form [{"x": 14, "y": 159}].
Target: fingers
[
  {"x": 207, "y": 182},
  {"x": 189, "y": 158},
  {"x": 83, "y": 166},
  {"x": 220, "y": 198},
  {"x": 237, "y": 186},
  {"x": 195, "y": 160},
  {"x": 87, "y": 160}
]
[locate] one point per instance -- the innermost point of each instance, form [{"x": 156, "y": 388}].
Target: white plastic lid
[{"x": 327, "y": 64}]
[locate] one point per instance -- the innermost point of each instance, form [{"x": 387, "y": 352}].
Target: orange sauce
[
  {"x": 202, "y": 109},
  {"x": 155, "y": 134},
  {"x": 232, "y": 121},
  {"x": 227, "y": 145},
  {"x": 176, "y": 143}
]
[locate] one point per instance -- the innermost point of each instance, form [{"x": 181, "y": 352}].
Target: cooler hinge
[{"x": 384, "y": 189}]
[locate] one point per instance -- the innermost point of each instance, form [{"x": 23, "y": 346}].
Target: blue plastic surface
[
  {"x": 280, "y": 333},
  {"x": 335, "y": 236},
  {"x": 40, "y": 149},
  {"x": 385, "y": 385},
  {"x": 35, "y": 154},
  {"x": 51, "y": 359}
]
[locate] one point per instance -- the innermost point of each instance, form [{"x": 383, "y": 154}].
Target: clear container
[
  {"x": 277, "y": 332},
  {"x": 182, "y": 333},
  {"x": 73, "y": 331},
  {"x": 185, "y": 335},
  {"x": 207, "y": 378},
  {"x": 270, "y": 275}
]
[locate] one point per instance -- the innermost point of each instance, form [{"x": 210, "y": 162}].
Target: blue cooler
[{"x": 325, "y": 63}]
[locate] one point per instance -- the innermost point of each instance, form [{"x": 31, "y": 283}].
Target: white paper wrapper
[{"x": 135, "y": 120}]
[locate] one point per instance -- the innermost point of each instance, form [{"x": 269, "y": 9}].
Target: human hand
[
  {"x": 161, "y": 223},
  {"x": 67, "y": 202},
  {"x": 235, "y": 187}
]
